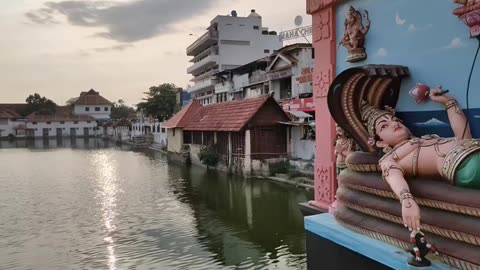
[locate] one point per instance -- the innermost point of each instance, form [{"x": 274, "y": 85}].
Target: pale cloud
[
  {"x": 382, "y": 52},
  {"x": 398, "y": 20},
  {"x": 123, "y": 21},
  {"x": 455, "y": 43},
  {"x": 45, "y": 57},
  {"x": 413, "y": 28}
]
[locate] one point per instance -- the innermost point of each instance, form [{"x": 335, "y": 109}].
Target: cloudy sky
[{"x": 118, "y": 47}]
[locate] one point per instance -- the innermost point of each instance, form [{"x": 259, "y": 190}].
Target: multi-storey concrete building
[{"x": 230, "y": 42}]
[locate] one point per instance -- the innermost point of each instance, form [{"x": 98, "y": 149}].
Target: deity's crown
[{"x": 370, "y": 114}]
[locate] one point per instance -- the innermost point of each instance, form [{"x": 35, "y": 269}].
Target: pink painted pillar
[{"x": 324, "y": 42}]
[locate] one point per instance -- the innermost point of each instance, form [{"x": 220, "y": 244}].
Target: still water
[{"x": 87, "y": 204}]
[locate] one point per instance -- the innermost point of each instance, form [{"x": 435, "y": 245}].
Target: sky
[{"x": 118, "y": 47}]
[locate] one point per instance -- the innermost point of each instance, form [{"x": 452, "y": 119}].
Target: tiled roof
[
  {"x": 226, "y": 116},
  {"x": 91, "y": 97},
  {"x": 180, "y": 119},
  {"x": 8, "y": 114},
  {"x": 62, "y": 114},
  {"x": 16, "y": 107}
]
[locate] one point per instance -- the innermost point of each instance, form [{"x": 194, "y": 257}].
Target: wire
[{"x": 468, "y": 87}]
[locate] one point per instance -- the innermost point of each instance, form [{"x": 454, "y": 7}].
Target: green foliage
[
  {"x": 121, "y": 111},
  {"x": 160, "y": 101},
  {"x": 279, "y": 167},
  {"x": 209, "y": 156},
  {"x": 37, "y": 103},
  {"x": 70, "y": 102}
]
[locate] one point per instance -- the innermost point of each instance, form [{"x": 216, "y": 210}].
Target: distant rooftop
[{"x": 91, "y": 97}]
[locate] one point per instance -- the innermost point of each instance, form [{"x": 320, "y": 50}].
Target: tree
[
  {"x": 42, "y": 105},
  {"x": 71, "y": 101},
  {"x": 160, "y": 102},
  {"x": 120, "y": 110}
]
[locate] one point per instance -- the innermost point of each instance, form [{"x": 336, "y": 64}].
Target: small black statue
[{"x": 420, "y": 249}]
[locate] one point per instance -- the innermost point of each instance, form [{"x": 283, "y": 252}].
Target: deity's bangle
[
  {"x": 452, "y": 103},
  {"x": 405, "y": 196}
]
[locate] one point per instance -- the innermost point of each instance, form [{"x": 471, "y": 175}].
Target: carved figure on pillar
[
  {"x": 344, "y": 145},
  {"x": 354, "y": 36},
  {"x": 469, "y": 13}
]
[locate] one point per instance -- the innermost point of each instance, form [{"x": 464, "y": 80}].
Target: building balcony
[
  {"x": 223, "y": 88},
  {"x": 206, "y": 75},
  {"x": 204, "y": 64},
  {"x": 207, "y": 84},
  {"x": 258, "y": 78},
  {"x": 200, "y": 56},
  {"x": 206, "y": 40}
]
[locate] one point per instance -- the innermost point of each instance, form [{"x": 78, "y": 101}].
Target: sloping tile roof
[
  {"x": 226, "y": 116},
  {"x": 8, "y": 114},
  {"x": 180, "y": 119},
  {"x": 63, "y": 113},
  {"x": 16, "y": 107},
  {"x": 91, "y": 97}
]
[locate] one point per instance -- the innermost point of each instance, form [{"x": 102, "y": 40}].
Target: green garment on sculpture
[{"x": 468, "y": 173}]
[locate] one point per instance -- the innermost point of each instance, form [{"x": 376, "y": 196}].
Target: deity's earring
[{"x": 387, "y": 149}]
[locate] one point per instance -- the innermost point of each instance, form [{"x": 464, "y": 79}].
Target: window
[
  {"x": 62, "y": 122},
  {"x": 88, "y": 122},
  {"x": 173, "y": 131},
  {"x": 266, "y": 51},
  {"x": 87, "y": 109},
  {"x": 106, "y": 109},
  {"x": 48, "y": 122},
  {"x": 97, "y": 109},
  {"x": 256, "y": 27},
  {"x": 235, "y": 42},
  {"x": 313, "y": 53},
  {"x": 75, "y": 122},
  {"x": 34, "y": 123}
]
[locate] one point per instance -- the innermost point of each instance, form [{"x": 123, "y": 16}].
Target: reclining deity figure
[{"x": 456, "y": 159}]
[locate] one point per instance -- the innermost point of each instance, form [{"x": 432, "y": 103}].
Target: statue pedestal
[{"x": 330, "y": 246}]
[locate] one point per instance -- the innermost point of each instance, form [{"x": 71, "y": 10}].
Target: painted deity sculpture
[
  {"x": 343, "y": 147},
  {"x": 354, "y": 36},
  {"x": 469, "y": 13},
  {"x": 367, "y": 198},
  {"x": 457, "y": 159}
]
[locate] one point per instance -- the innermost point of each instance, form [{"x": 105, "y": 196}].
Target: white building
[
  {"x": 11, "y": 124},
  {"x": 230, "y": 41},
  {"x": 290, "y": 72},
  {"x": 60, "y": 124},
  {"x": 92, "y": 104}
]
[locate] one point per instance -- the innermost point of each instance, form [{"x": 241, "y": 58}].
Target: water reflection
[
  {"x": 107, "y": 181},
  {"x": 59, "y": 142},
  {"x": 109, "y": 208}
]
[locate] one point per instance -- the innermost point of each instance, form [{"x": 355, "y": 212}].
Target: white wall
[
  {"x": 79, "y": 128},
  {"x": 175, "y": 142},
  {"x": 304, "y": 61},
  {"x": 7, "y": 127},
  {"x": 102, "y": 114},
  {"x": 302, "y": 149},
  {"x": 241, "y": 29},
  {"x": 121, "y": 133}
]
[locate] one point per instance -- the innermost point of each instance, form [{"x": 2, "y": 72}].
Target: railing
[
  {"x": 203, "y": 63},
  {"x": 205, "y": 37},
  {"x": 205, "y": 75},
  {"x": 200, "y": 85},
  {"x": 212, "y": 50}
]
